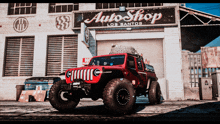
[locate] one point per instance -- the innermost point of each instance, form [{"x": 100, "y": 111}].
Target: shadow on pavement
[
  {"x": 141, "y": 103},
  {"x": 201, "y": 112},
  {"x": 167, "y": 111},
  {"x": 88, "y": 110}
]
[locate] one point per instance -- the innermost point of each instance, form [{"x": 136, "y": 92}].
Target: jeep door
[{"x": 141, "y": 71}]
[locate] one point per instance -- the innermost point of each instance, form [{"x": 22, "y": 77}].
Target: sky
[{"x": 211, "y": 8}]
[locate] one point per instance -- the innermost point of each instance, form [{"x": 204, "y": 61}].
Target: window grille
[
  {"x": 116, "y": 5},
  {"x": 63, "y": 7},
  {"x": 21, "y": 8},
  {"x": 195, "y": 69}
]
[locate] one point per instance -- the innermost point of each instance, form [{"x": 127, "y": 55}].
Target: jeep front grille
[{"x": 86, "y": 74}]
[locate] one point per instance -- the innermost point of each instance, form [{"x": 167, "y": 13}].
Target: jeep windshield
[{"x": 108, "y": 60}]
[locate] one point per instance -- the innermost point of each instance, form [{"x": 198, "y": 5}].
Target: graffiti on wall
[
  {"x": 210, "y": 57},
  {"x": 62, "y": 22},
  {"x": 20, "y": 24}
]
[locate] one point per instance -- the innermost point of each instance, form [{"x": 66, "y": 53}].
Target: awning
[{"x": 197, "y": 28}]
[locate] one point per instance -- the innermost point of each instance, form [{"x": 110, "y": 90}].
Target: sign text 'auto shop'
[{"x": 126, "y": 18}]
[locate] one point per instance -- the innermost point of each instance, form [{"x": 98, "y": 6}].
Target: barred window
[
  {"x": 21, "y": 8},
  {"x": 63, "y": 7},
  {"x": 116, "y": 5},
  {"x": 19, "y": 56}
]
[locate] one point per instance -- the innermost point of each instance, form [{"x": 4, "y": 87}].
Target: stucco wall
[
  {"x": 173, "y": 63},
  {"x": 43, "y": 24},
  {"x": 40, "y": 32}
]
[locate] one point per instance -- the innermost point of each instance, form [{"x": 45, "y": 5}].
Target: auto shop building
[{"x": 45, "y": 39}]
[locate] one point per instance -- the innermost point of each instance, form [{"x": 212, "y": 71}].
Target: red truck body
[
  {"x": 86, "y": 73},
  {"x": 116, "y": 78}
]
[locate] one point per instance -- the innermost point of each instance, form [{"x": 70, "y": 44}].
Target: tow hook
[{"x": 86, "y": 92}]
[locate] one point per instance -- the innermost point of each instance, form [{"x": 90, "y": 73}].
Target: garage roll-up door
[
  {"x": 61, "y": 54},
  {"x": 19, "y": 56},
  {"x": 152, "y": 50}
]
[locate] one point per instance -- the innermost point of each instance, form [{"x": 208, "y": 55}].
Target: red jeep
[{"x": 116, "y": 78}]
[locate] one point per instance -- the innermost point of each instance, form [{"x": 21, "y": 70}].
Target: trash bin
[
  {"x": 19, "y": 89},
  {"x": 40, "y": 83},
  {"x": 216, "y": 85},
  {"x": 205, "y": 88}
]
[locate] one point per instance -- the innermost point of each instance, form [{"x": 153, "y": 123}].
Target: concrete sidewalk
[
  {"x": 94, "y": 110},
  {"x": 143, "y": 106}
]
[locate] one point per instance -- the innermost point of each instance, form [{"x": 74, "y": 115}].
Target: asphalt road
[{"x": 88, "y": 110}]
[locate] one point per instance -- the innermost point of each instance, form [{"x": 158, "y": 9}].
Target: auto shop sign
[{"x": 128, "y": 18}]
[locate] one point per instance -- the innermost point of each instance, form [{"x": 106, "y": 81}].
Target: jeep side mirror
[{"x": 131, "y": 64}]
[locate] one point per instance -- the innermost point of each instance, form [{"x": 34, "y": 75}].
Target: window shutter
[
  {"x": 54, "y": 53},
  {"x": 61, "y": 54},
  {"x": 19, "y": 56},
  {"x": 12, "y": 57},
  {"x": 27, "y": 52},
  {"x": 70, "y": 52}
]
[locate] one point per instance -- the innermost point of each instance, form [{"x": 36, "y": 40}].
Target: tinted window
[
  {"x": 130, "y": 58},
  {"x": 149, "y": 67},
  {"x": 139, "y": 64},
  {"x": 108, "y": 60}
]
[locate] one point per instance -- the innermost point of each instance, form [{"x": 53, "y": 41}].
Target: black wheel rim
[{"x": 123, "y": 96}]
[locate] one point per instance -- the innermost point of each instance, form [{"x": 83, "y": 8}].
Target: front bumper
[{"x": 78, "y": 84}]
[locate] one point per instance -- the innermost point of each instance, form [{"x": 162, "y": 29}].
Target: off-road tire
[
  {"x": 56, "y": 100},
  {"x": 154, "y": 93},
  {"x": 119, "y": 96}
]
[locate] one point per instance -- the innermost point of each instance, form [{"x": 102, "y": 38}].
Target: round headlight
[
  {"x": 96, "y": 72},
  {"x": 68, "y": 73}
]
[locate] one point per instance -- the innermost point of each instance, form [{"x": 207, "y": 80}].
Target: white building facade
[{"x": 45, "y": 39}]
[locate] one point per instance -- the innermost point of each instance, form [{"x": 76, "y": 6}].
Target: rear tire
[
  {"x": 57, "y": 99},
  {"x": 119, "y": 96},
  {"x": 154, "y": 93}
]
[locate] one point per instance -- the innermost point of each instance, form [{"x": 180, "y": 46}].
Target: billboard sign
[
  {"x": 128, "y": 18},
  {"x": 210, "y": 57}
]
